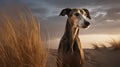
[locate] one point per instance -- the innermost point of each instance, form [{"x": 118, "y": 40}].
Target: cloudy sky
[
  {"x": 105, "y": 14},
  {"x": 105, "y": 17}
]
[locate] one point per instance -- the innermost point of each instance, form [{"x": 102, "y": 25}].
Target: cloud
[
  {"x": 112, "y": 13},
  {"x": 102, "y": 14},
  {"x": 110, "y": 20}
]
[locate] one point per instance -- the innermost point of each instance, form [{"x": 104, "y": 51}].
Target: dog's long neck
[
  {"x": 71, "y": 29},
  {"x": 71, "y": 32}
]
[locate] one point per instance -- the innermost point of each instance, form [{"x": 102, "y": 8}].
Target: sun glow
[{"x": 87, "y": 40}]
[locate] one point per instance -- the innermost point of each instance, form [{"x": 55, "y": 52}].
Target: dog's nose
[{"x": 86, "y": 23}]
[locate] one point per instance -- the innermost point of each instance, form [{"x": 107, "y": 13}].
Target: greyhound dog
[{"x": 70, "y": 52}]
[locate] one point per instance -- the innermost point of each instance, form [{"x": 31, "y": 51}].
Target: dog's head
[{"x": 79, "y": 17}]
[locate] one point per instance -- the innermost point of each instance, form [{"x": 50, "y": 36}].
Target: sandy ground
[{"x": 103, "y": 57}]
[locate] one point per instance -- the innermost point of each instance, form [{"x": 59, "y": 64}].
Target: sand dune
[{"x": 103, "y": 57}]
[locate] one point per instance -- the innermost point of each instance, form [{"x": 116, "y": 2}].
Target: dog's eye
[{"x": 77, "y": 14}]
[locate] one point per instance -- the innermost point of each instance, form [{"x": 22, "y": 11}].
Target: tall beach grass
[
  {"x": 20, "y": 41},
  {"x": 114, "y": 43}
]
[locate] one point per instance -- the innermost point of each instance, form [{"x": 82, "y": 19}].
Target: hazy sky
[{"x": 105, "y": 16}]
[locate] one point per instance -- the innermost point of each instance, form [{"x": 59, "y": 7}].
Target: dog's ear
[
  {"x": 65, "y": 12},
  {"x": 87, "y": 12}
]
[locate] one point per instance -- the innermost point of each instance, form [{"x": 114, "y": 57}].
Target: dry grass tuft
[
  {"x": 115, "y": 44},
  {"x": 103, "y": 46},
  {"x": 95, "y": 46},
  {"x": 20, "y": 41},
  {"x": 98, "y": 46}
]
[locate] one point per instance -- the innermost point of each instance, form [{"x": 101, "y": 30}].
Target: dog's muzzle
[{"x": 85, "y": 24}]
